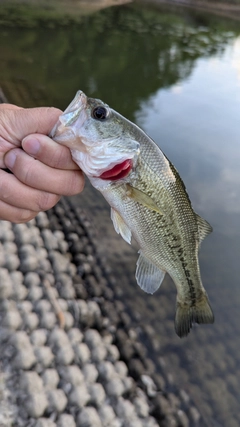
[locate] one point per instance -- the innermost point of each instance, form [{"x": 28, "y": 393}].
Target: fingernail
[
  {"x": 31, "y": 145},
  {"x": 9, "y": 159}
]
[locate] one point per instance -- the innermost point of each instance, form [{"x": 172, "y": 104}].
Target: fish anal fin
[
  {"x": 120, "y": 226},
  {"x": 142, "y": 198},
  {"x": 148, "y": 276},
  {"x": 186, "y": 315},
  {"x": 204, "y": 228}
]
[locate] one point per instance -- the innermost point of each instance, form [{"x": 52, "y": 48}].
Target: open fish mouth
[{"x": 119, "y": 171}]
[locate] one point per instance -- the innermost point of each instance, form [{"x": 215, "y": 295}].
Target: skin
[{"x": 42, "y": 170}]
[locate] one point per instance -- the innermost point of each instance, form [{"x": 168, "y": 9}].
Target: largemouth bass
[{"x": 148, "y": 201}]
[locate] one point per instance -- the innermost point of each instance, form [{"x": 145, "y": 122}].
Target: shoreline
[{"x": 227, "y": 10}]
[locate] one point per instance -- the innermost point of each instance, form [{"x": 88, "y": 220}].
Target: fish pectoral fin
[
  {"x": 148, "y": 276},
  {"x": 120, "y": 226},
  {"x": 204, "y": 228},
  {"x": 142, "y": 198}
]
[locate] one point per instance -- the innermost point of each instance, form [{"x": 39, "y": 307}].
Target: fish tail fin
[{"x": 186, "y": 315}]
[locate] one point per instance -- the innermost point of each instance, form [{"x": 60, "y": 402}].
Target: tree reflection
[{"x": 122, "y": 55}]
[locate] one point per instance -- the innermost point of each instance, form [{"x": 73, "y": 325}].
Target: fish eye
[{"x": 99, "y": 113}]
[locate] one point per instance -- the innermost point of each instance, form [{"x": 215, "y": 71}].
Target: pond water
[{"x": 177, "y": 74}]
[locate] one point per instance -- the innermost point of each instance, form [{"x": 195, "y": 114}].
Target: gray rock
[
  {"x": 72, "y": 374},
  {"x": 31, "y": 320},
  {"x": 42, "y": 220},
  {"x": 6, "y": 233},
  {"x": 29, "y": 263},
  {"x": 194, "y": 415},
  {"x": 69, "y": 320},
  {"x": 141, "y": 404},
  {"x": 31, "y": 382},
  {"x": 35, "y": 293},
  {"x": 38, "y": 337},
  {"x": 79, "y": 396},
  {"x": 58, "y": 338},
  {"x": 121, "y": 368},
  {"x": 43, "y": 305},
  {"x": 65, "y": 355},
  {"x": 82, "y": 311},
  {"x": 128, "y": 384},
  {"x": 182, "y": 418},
  {"x": 10, "y": 248},
  {"x": 48, "y": 320},
  {"x": 150, "y": 385},
  {"x": 2, "y": 255},
  {"x": 25, "y": 306},
  {"x": 20, "y": 340},
  {"x": 66, "y": 420},
  {"x": 75, "y": 336},
  {"x": 97, "y": 394},
  {"x": 89, "y": 417},
  {"x": 32, "y": 278},
  {"x": 93, "y": 338},
  {"x": 106, "y": 370},
  {"x": 150, "y": 422},
  {"x": 125, "y": 409},
  {"x": 45, "y": 422},
  {"x": 57, "y": 400},
  {"x": 12, "y": 261},
  {"x": 44, "y": 355},
  {"x": 107, "y": 415},
  {"x": 99, "y": 353},
  {"x": 115, "y": 387},
  {"x": 82, "y": 353},
  {"x": 50, "y": 241},
  {"x": 90, "y": 373},
  {"x": 6, "y": 288},
  {"x": 112, "y": 353},
  {"x": 94, "y": 309},
  {"x": 61, "y": 302},
  {"x": 12, "y": 319},
  {"x": 50, "y": 379},
  {"x": 59, "y": 262},
  {"x": 65, "y": 286},
  {"x": 25, "y": 358},
  {"x": 36, "y": 404}
]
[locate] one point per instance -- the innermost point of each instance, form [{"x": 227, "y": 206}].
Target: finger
[
  {"x": 10, "y": 107},
  {"x": 15, "y": 124},
  {"x": 18, "y": 195},
  {"x": 16, "y": 215},
  {"x": 42, "y": 177},
  {"x": 43, "y": 148}
]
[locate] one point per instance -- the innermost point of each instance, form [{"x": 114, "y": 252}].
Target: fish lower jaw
[{"x": 119, "y": 171}]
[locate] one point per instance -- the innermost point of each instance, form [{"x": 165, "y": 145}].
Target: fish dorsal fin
[
  {"x": 149, "y": 277},
  {"x": 204, "y": 228},
  {"x": 120, "y": 226},
  {"x": 142, "y": 198}
]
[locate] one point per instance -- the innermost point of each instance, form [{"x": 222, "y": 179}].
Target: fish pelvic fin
[{"x": 186, "y": 315}]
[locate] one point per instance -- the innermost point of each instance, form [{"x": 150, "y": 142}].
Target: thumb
[{"x": 15, "y": 124}]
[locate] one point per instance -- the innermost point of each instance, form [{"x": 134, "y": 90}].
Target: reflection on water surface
[{"x": 178, "y": 77}]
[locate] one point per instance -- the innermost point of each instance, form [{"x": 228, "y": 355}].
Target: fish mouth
[{"x": 119, "y": 171}]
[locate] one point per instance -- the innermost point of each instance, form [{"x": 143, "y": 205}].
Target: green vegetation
[{"x": 122, "y": 55}]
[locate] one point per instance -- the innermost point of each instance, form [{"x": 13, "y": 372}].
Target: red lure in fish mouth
[{"x": 118, "y": 171}]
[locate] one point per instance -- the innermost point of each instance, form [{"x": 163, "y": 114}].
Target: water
[{"x": 177, "y": 74}]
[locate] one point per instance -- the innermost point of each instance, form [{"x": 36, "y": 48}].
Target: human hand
[{"x": 42, "y": 170}]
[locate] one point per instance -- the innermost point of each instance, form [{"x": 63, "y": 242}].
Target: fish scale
[{"x": 148, "y": 201}]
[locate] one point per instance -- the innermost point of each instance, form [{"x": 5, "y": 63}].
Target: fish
[{"x": 148, "y": 201}]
